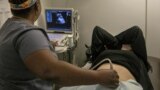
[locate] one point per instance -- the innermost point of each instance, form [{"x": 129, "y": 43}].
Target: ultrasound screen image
[{"x": 59, "y": 20}]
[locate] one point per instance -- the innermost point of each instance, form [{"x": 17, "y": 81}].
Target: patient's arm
[{"x": 124, "y": 73}]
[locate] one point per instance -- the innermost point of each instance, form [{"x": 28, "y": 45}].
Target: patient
[{"x": 127, "y": 51}]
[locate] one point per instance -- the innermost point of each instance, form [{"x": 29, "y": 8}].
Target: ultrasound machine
[{"x": 61, "y": 26}]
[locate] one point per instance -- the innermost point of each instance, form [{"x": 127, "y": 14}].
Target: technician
[{"x": 28, "y": 61}]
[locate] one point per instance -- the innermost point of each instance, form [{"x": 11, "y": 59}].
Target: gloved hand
[{"x": 110, "y": 78}]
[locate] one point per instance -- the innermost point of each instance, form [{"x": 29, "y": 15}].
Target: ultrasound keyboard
[{"x": 61, "y": 38}]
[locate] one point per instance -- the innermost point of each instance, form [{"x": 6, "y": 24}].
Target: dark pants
[{"x": 102, "y": 40}]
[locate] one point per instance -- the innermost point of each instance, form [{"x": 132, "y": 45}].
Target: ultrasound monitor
[{"x": 59, "y": 20}]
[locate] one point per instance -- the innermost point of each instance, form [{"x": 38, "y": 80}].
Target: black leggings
[{"x": 102, "y": 40}]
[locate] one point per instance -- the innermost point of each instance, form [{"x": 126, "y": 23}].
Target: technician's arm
[{"x": 45, "y": 65}]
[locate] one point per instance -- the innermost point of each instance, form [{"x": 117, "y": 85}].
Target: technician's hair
[{"x": 24, "y": 12}]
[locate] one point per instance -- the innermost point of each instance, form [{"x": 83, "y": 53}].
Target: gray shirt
[{"x": 12, "y": 68}]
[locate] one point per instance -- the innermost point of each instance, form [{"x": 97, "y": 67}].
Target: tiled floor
[{"x": 155, "y": 75}]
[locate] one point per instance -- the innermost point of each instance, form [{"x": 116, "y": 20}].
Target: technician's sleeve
[{"x": 32, "y": 41}]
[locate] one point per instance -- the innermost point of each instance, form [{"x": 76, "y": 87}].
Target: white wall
[
  {"x": 4, "y": 4},
  {"x": 113, "y": 15},
  {"x": 4, "y": 11},
  {"x": 153, "y": 28}
]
